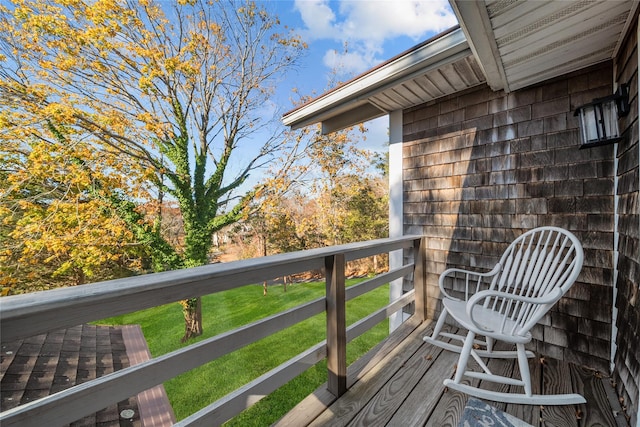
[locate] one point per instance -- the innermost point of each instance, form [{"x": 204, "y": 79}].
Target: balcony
[{"x": 399, "y": 382}]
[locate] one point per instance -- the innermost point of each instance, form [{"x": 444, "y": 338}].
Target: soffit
[{"x": 521, "y": 43}]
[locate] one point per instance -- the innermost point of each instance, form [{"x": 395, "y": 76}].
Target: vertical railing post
[
  {"x": 336, "y": 325},
  {"x": 420, "y": 277}
]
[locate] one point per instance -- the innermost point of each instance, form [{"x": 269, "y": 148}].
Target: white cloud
[
  {"x": 364, "y": 26},
  {"x": 318, "y": 18},
  {"x": 374, "y": 20},
  {"x": 383, "y": 19},
  {"x": 348, "y": 63}
]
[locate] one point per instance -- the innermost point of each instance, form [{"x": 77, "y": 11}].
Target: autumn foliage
[
  {"x": 337, "y": 195},
  {"x": 129, "y": 130},
  {"x": 56, "y": 230},
  {"x": 165, "y": 94}
]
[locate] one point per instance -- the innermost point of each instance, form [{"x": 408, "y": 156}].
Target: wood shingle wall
[
  {"x": 627, "y": 356},
  {"x": 481, "y": 167}
]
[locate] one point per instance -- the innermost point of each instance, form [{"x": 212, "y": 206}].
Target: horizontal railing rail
[{"x": 27, "y": 315}]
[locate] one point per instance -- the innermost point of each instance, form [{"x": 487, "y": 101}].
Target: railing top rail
[{"x": 31, "y": 314}]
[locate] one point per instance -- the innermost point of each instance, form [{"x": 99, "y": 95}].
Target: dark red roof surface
[{"x": 36, "y": 367}]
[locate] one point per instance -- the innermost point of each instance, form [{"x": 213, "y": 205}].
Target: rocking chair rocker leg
[
  {"x": 517, "y": 398},
  {"x": 464, "y": 357},
  {"x": 526, "y": 398},
  {"x": 489, "y": 342},
  {"x": 439, "y": 324},
  {"x": 523, "y": 364}
]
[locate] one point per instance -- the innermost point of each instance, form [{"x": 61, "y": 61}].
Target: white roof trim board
[{"x": 482, "y": 41}]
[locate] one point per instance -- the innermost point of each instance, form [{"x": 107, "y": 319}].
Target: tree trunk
[
  {"x": 192, "y": 311},
  {"x": 197, "y": 244}
]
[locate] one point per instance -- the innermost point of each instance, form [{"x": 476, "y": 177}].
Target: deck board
[
  {"x": 401, "y": 385},
  {"x": 556, "y": 379},
  {"x": 527, "y": 413},
  {"x": 589, "y": 384},
  {"x": 317, "y": 402},
  {"x": 355, "y": 399},
  {"x": 384, "y": 404},
  {"x": 419, "y": 405}
]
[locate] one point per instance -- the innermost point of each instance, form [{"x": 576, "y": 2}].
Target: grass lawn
[{"x": 163, "y": 327}]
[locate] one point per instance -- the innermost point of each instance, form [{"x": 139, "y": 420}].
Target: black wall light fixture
[{"x": 599, "y": 119}]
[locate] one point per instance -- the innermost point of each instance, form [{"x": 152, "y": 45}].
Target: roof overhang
[
  {"x": 509, "y": 45},
  {"x": 409, "y": 79}
]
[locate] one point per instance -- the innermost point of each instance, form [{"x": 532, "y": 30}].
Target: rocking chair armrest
[
  {"x": 478, "y": 299},
  {"x": 447, "y": 272}
]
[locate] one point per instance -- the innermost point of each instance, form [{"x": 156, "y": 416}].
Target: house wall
[
  {"x": 481, "y": 167},
  {"x": 627, "y": 274}
]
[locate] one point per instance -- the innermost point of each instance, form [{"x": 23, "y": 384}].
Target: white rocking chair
[{"x": 504, "y": 304}]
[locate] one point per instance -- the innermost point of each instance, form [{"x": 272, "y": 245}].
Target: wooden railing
[{"x": 27, "y": 315}]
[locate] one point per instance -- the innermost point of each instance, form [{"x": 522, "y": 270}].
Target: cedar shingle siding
[
  {"x": 481, "y": 167},
  {"x": 627, "y": 358}
]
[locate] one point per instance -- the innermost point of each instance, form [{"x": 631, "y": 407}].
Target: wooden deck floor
[{"x": 399, "y": 383}]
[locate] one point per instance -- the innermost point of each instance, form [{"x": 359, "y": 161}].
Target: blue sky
[{"x": 372, "y": 30}]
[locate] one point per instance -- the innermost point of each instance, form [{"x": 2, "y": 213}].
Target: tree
[
  {"x": 180, "y": 88},
  {"x": 367, "y": 210},
  {"x": 53, "y": 232},
  {"x": 334, "y": 198},
  {"x": 338, "y": 163}
]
